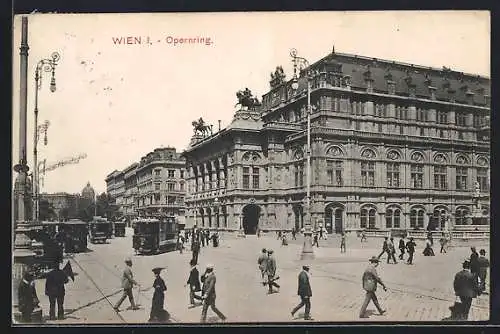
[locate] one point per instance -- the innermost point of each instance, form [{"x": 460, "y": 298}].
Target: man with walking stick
[
  {"x": 127, "y": 283},
  {"x": 370, "y": 280},
  {"x": 305, "y": 293}
]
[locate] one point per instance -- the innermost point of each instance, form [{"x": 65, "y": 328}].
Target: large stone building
[
  {"x": 115, "y": 187},
  {"x": 155, "y": 185},
  {"x": 393, "y": 146},
  {"x": 64, "y": 205}
]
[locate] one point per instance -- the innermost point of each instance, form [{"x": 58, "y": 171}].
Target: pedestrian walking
[
  {"x": 410, "y": 247},
  {"x": 402, "y": 247},
  {"x": 294, "y": 233},
  {"x": 305, "y": 292},
  {"x": 321, "y": 233},
  {"x": 158, "y": 313},
  {"x": 342, "y": 243},
  {"x": 385, "y": 249},
  {"x": 207, "y": 237},
  {"x": 484, "y": 264},
  {"x": 363, "y": 236},
  {"x": 27, "y": 297},
  {"x": 209, "y": 294},
  {"x": 442, "y": 241},
  {"x": 127, "y": 283},
  {"x": 180, "y": 242},
  {"x": 474, "y": 263},
  {"x": 262, "y": 262},
  {"x": 465, "y": 286},
  {"x": 54, "y": 289},
  {"x": 194, "y": 283},
  {"x": 370, "y": 281},
  {"x": 201, "y": 237},
  {"x": 284, "y": 240},
  {"x": 428, "y": 251},
  {"x": 315, "y": 239},
  {"x": 271, "y": 271},
  {"x": 195, "y": 249},
  {"x": 392, "y": 251}
]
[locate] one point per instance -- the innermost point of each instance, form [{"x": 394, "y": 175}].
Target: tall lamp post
[
  {"x": 302, "y": 63},
  {"x": 44, "y": 65}
]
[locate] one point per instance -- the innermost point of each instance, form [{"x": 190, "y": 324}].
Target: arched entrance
[
  {"x": 334, "y": 218},
  {"x": 251, "y": 213}
]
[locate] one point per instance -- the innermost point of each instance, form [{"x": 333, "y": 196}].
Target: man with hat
[
  {"x": 410, "y": 247},
  {"x": 27, "y": 297},
  {"x": 465, "y": 286},
  {"x": 209, "y": 294},
  {"x": 305, "y": 293},
  {"x": 484, "y": 264},
  {"x": 262, "y": 262},
  {"x": 54, "y": 289},
  {"x": 127, "y": 283},
  {"x": 474, "y": 262},
  {"x": 194, "y": 282},
  {"x": 370, "y": 280},
  {"x": 385, "y": 249},
  {"x": 158, "y": 313},
  {"x": 271, "y": 271}
]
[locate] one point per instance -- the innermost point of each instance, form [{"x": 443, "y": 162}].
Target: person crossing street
[
  {"x": 209, "y": 294},
  {"x": 305, "y": 292},
  {"x": 127, "y": 283},
  {"x": 370, "y": 280}
]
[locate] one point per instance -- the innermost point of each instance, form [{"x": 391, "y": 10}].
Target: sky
[{"x": 117, "y": 102}]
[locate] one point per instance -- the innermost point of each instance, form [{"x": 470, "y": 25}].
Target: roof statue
[
  {"x": 278, "y": 77},
  {"x": 201, "y": 128},
  {"x": 246, "y": 99}
]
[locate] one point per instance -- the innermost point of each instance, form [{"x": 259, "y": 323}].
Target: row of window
[
  {"x": 393, "y": 218},
  {"x": 170, "y": 173},
  {"x": 156, "y": 199},
  {"x": 171, "y": 186},
  {"x": 334, "y": 171}
]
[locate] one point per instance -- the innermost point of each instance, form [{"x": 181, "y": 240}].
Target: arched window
[
  {"x": 461, "y": 216},
  {"x": 417, "y": 218},
  {"x": 368, "y": 217},
  {"x": 439, "y": 218},
  {"x": 393, "y": 218}
]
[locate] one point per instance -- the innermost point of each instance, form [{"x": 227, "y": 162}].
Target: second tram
[{"x": 155, "y": 235}]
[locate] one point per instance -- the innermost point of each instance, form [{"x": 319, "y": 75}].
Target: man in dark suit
[
  {"x": 195, "y": 248},
  {"x": 305, "y": 293},
  {"x": 27, "y": 297},
  {"x": 271, "y": 271},
  {"x": 402, "y": 247},
  {"x": 474, "y": 262},
  {"x": 370, "y": 280},
  {"x": 484, "y": 264},
  {"x": 410, "y": 247},
  {"x": 385, "y": 249},
  {"x": 194, "y": 283},
  {"x": 54, "y": 289},
  {"x": 209, "y": 295},
  {"x": 465, "y": 286}
]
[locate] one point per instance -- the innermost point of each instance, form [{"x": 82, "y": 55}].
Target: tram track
[{"x": 116, "y": 274}]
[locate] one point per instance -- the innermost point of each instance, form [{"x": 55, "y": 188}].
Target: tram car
[
  {"x": 119, "y": 228},
  {"x": 155, "y": 235},
  {"x": 75, "y": 235},
  {"x": 100, "y": 230},
  {"x": 50, "y": 247}
]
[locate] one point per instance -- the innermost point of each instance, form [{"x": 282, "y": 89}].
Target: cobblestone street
[{"x": 422, "y": 292}]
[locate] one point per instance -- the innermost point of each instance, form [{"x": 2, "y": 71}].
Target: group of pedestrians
[
  {"x": 389, "y": 248},
  {"x": 267, "y": 267},
  {"x": 54, "y": 289}
]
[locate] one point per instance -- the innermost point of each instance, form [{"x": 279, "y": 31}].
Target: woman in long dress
[{"x": 158, "y": 313}]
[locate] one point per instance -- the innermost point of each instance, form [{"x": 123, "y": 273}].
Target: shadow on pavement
[{"x": 71, "y": 311}]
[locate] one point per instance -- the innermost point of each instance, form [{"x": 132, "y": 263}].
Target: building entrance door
[
  {"x": 251, "y": 213},
  {"x": 334, "y": 218}
]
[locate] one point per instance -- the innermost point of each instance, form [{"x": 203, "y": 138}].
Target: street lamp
[
  {"x": 44, "y": 65},
  {"x": 307, "y": 249}
]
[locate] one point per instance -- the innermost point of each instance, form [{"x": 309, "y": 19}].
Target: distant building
[
  {"x": 393, "y": 146},
  {"x": 65, "y": 205},
  {"x": 154, "y": 185},
  {"x": 115, "y": 187}
]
